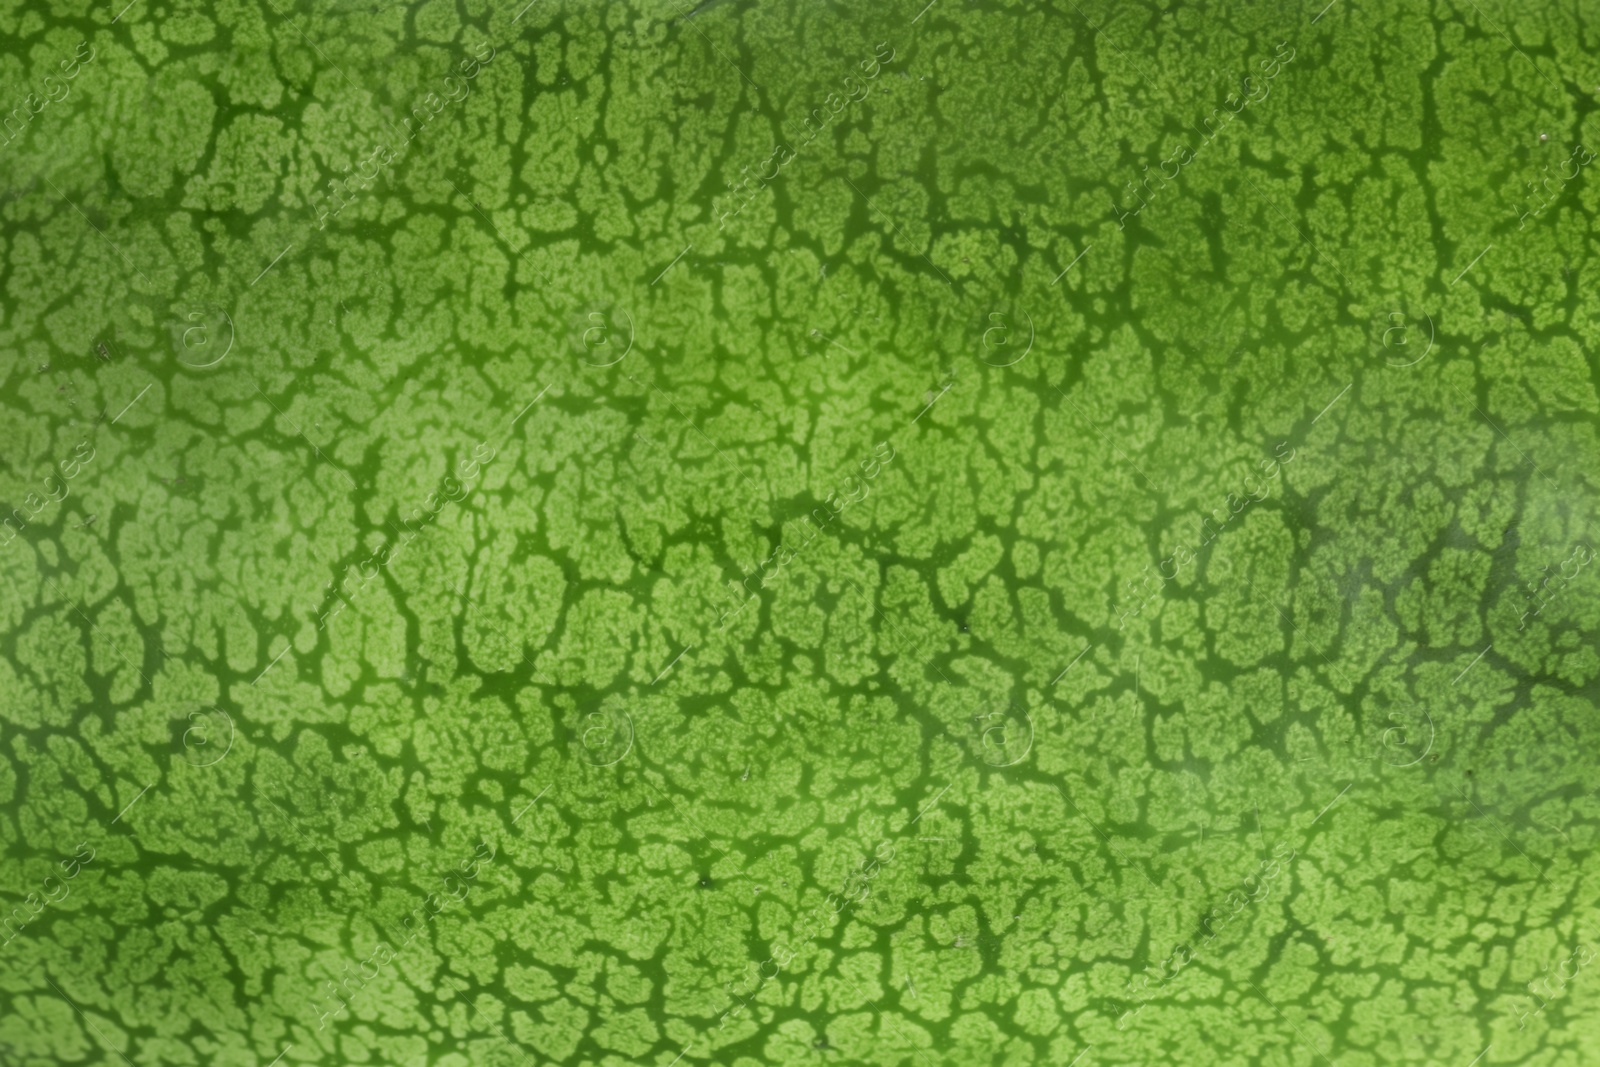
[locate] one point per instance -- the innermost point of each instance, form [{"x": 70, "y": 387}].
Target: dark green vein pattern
[{"x": 799, "y": 533}]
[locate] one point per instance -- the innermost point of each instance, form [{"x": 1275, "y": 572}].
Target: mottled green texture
[{"x": 591, "y": 534}]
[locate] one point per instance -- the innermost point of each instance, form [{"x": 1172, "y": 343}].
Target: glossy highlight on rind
[{"x": 726, "y": 533}]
